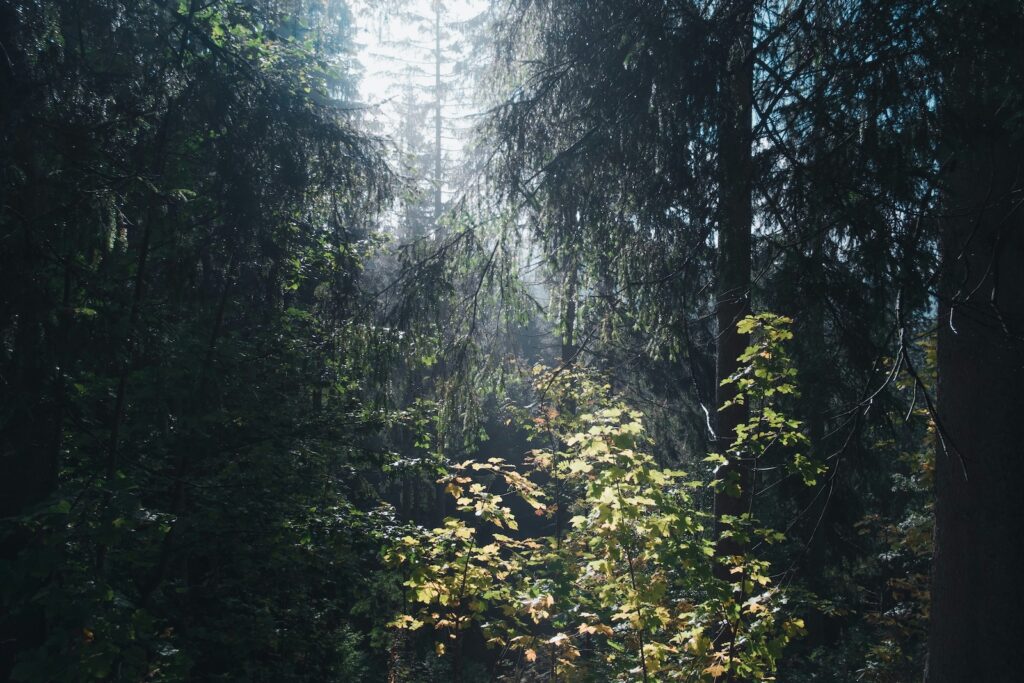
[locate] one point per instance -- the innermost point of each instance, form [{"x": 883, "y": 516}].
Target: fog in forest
[{"x": 469, "y": 341}]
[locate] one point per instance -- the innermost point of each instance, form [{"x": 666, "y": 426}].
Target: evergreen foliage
[{"x": 700, "y": 360}]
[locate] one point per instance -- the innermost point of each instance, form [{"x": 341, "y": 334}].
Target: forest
[{"x": 565, "y": 341}]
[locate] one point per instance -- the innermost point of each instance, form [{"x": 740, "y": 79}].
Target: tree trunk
[
  {"x": 30, "y": 434},
  {"x": 734, "y": 242},
  {"x": 977, "y": 591},
  {"x": 438, "y": 101}
]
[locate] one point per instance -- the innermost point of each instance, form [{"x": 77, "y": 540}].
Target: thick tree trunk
[
  {"x": 30, "y": 434},
  {"x": 977, "y": 592},
  {"x": 734, "y": 242}
]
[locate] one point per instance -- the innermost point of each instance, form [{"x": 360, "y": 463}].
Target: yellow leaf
[
  {"x": 576, "y": 466},
  {"x": 531, "y": 655},
  {"x": 715, "y": 670}
]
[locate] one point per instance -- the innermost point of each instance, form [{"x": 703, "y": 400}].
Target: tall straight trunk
[
  {"x": 977, "y": 592},
  {"x": 816, "y": 381},
  {"x": 438, "y": 155},
  {"x": 570, "y": 285},
  {"x": 569, "y": 349},
  {"x": 734, "y": 242},
  {"x": 816, "y": 385},
  {"x": 30, "y": 434},
  {"x": 570, "y": 282}
]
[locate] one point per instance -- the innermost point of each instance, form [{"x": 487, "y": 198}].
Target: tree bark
[
  {"x": 734, "y": 243},
  {"x": 30, "y": 434},
  {"x": 977, "y": 592}
]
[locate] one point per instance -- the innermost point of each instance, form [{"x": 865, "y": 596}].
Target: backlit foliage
[{"x": 625, "y": 588}]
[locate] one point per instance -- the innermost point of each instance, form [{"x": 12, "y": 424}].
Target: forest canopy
[{"x": 522, "y": 340}]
